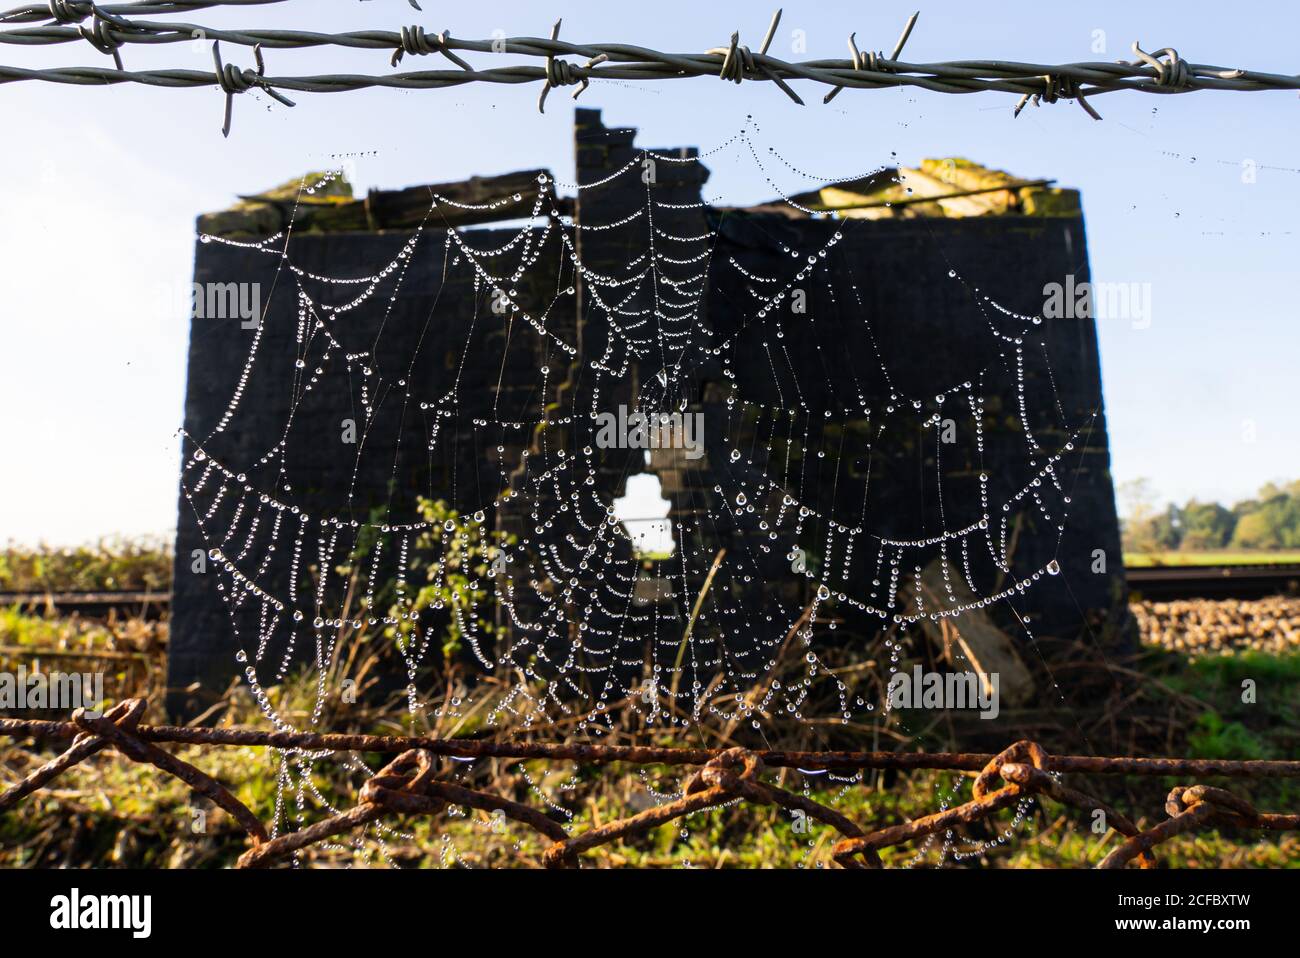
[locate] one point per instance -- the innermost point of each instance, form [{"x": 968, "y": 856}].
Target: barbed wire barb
[
  {"x": 875, "y": 62},
  {"x": 232, "y": 80}
]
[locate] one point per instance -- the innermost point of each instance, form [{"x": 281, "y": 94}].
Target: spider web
[{"x": 558, "y": 612}]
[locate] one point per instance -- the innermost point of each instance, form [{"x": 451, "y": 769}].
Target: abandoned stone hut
[{"x": 913, "y": 229}]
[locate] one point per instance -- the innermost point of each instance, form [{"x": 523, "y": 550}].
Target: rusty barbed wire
[
  {"x": 1162, "y": 71},
  {"x": 408, "y": 785}
]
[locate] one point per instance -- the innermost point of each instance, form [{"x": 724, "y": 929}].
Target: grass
[
  {"x": 143, "y": 565},
  {"x": 113, "y": 813},
  {"x": 1137, "y": 560},
  {"x": 146, "y": 564},
  {"x": 110, "y": 812}
]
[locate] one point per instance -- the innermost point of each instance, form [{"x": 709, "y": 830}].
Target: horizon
[{"x": 102, "y": 198}]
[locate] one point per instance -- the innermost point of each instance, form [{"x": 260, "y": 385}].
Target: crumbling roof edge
[{"x": 479, "y": 200}]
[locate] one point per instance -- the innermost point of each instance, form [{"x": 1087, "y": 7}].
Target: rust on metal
[{"x": 409, "y": 785}]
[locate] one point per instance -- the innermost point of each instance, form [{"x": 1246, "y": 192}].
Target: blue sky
[{"x": 99, "y": 189}]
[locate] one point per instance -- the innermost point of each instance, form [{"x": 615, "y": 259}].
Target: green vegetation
[
  {"x": 129, "y": 815},
  {"x": 110, "y": 812},
  {"x": 142, "y": 565},
  {"x": 1249, "y": 708},
  {"x": 454, "y": 584},
  {"x": 1259, "y": 529},
  {"x": 1216, "y": 557}
]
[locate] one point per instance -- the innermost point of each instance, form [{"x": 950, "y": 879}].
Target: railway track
[
  {"x": 91, "y": 605},
  {"x": 1160, "y": 583},
  {"x": 1157, "y": 583}
]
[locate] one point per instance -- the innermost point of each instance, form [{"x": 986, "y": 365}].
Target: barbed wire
[
  {"x": 111, "y": 27},
  {"x": 409, "y": 785},
  {"x": 74, "y": 11}
]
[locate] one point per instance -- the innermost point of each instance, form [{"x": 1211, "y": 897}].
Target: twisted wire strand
[
  {"x": 74, "y": 11},
  {"x": 631, "y": 63},
  {"x": 409, "y": 784},
  {"x": 1163, "y": 71},
  {"x": 600, "y": 754}
]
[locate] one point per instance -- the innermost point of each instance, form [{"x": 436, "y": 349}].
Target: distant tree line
[{"x": 1271, "y": 520}]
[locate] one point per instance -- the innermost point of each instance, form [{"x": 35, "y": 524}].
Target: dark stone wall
[
  {"x": 889, "y": 298},
  {"x": 893, "y": 302},
  {"x": 436, "y": 341}
]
